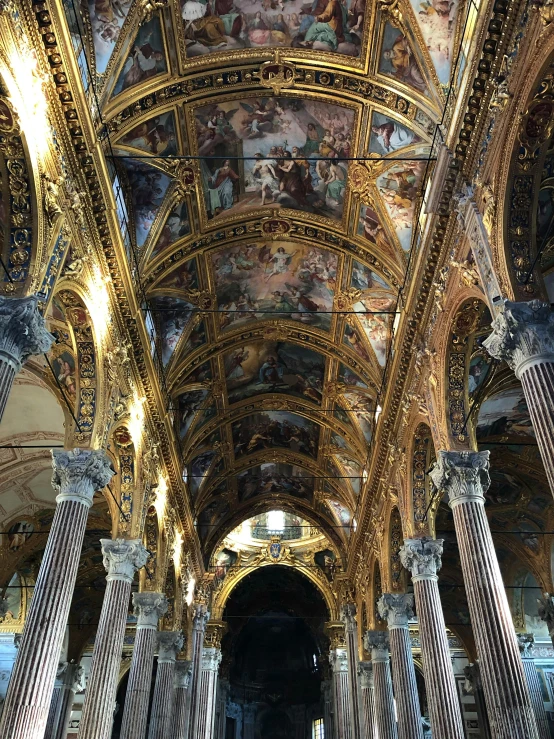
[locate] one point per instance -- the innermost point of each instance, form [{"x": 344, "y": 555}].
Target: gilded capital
[
  {"x": 349, "y": 616},
  {"x": 123, "y": 557},
  {"x": 183, "y": 673},
  {"x": 169, "y": 644},
  {"x": 22, "y": 330},
  {"x": 79, "y": 473},
  {"x": 365, "y": 671},
  {"x": 378, "y": 644},
  {"x": 149, "y": 608},
  {"x": 463, "y": 475},
  {"x": 422, "y": 557},
  {"x": 201, "y": 617},
  {"x": 522, "y": 335},
  {"x": 396, "y": 608}
]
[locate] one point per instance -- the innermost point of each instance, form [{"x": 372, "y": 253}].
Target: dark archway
[{"x": 274, "y": 652}]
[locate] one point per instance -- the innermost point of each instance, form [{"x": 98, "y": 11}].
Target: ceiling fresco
[{"x": 272, "y": 209}]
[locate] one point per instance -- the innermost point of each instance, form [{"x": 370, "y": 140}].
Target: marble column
[
  {"x": 523, "y": 336},
  {"x": 397, "y": 609},
  {"x": 327, "y": 697},
  {"x": 546, "y": 612},
  {"x": 525, "y": 643},
  {"x": 199, "y": 620},
  {"x": 207, "y": 683},
  {"x": 473, "y": 685},
  {"x": 422, "y": 557},
  {"x": 22, "y": 334},
  {"x": 182, "y": 703},
  {"x": 78, "y": 474},
  {"x": 342, "y": 703},
  {"x": 464, "y": 477},
  {"x": 70, "y": 679},
  {"x": 148, "y": 608},
  {"x": 377, "y": 644},
  {"x": 369, "y": 728},
  {"x": 351, "y": 637},
  {"x": 169, "y": 644},
  {"x": 122, "y": 558},
  {"x": 222, "y": 693}
]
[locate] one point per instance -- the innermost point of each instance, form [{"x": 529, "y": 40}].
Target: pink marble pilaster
[
  {"x": 163, "y": 700},
  {"x": 149, "y": 608},
  {"x": 78, "y": 474},
  {"x": 69, "y": 680},
  {"x": 397, "y": 609},
  {"x": 369, "y": 727},
  {"x": 422, "y": 557},
  {"x": 122, "y": 558},
  {"x": 341, "y": 699},
  {"x": 199, "y": 620},
  {"x": 525, "y": 643},
  {"x": 207, "y": 683},
  {"x": 351, "y": 638},
  {"x": 464, "y": 477},
  {"x": 377, "y": 644},
  {"x": 523, "y": 336},
  {"x": 182, "y": 699}
]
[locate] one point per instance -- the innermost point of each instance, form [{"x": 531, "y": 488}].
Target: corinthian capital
[
  {"x": 377, "y": 642},
  {"x": 170, "y": 644},
  {"x": 183, "y": 673},
  {"x": 211, "y": 657},
  {"x": 79, "y": 473},
  {"x": 422, "y": 557},
  {"x": 22, "y": 330},
  {"x": 396, "y": 608},
  {"x": 201, "y": 617},
  {"x": 123, "y": 557},
  {"x": 339, "y": 660},
  {"x": 522, "y": 335},
  {"x": 349, "y": 616},
  {"x": 463, "y": 475},
  {"x": 525, "y": 643},
  {"x": 365, "y": 671},
  {"x": 149, "y": 608}
]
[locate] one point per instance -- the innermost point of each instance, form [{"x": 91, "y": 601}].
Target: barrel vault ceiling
[{"x": 271, "y": 157}]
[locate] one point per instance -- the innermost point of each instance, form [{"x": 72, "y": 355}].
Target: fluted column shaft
[
  {"x": 351, "y": 636},
  {"x": 122, "y": 558},
  {"x": 369, "y": 727},
  {"x": 70, "y": 680},
  {"x": 525, "y": 643},
  {"x": 182, "y": 700},
  {"x": 423, "y": 558},
  {"x": 327, "y": 694},
  {"x": 222, "y": 691},
  {"x": 465, "y": 476},
  {"x": 199, "y": 621},
  {"x": 397, "y": 609},
  {"x": 377, "y": 643},
  {"x": 77, "y": 475},
  {"x": 205, "y": 715},
  {"x": 149, "y": 608},
  {"x": 523, "y": 336},
  {"x": 22, "y": 334},
  {"x": 169, "y": 644},
  {"x": 342, "y": 703}
]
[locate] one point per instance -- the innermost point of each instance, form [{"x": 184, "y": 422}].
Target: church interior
[{"x": 276, "y": 369}]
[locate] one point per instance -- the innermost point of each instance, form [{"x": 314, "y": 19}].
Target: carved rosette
[
  {"x": 22, "y": 330},
  {"x": 183, "y": 673},
  {"x": 396, "y": 608},
  {"x": 149, "y": 608},
  {"x": 422, "y": 557},
  {"x": 79, "y": 473},
  {"x": 169, "y": 644},
  {"x": 378, "y": 644},
  {"x": 523, "y": 335},
  {"x": 123, "y": 557},
  {"x": 463, "y": 475},
  {"x": 365, "y": 671}
]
